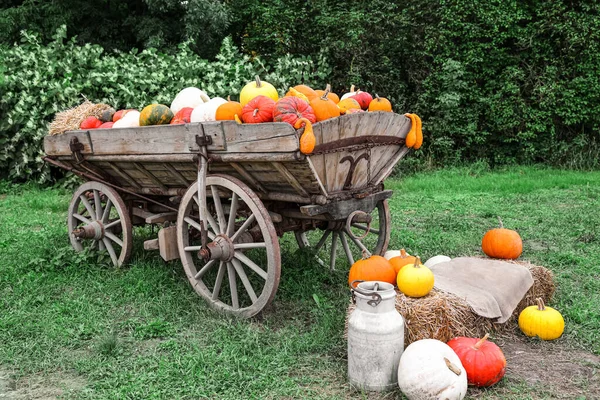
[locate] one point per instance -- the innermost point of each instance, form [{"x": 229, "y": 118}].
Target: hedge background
[{"x": 498, "y": 82}]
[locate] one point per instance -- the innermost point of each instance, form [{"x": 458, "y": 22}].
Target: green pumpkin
[{"x": 155, "y": 114}]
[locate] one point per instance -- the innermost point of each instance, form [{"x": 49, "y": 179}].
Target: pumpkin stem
[
  {"x": 365, "y": 254},
  {"x": 541, "y": 305},
  {"x": 452, "y": 367},
  {"x": 328, "y": 87},
  {"x": 351, "y": 88},
  {"x": 377, "y": 97},
  {"x": 481, "y": 341},
  {"x": 327, "y": 90},
  {"x": 258, "y": 82},
  {"x": 255, "y": 112},
  {"x": 500, "y": 222},
  {"x": 403, "y": 253},
  {"x": 418, "y": 262},
  {"x": 229, "y": 98}
]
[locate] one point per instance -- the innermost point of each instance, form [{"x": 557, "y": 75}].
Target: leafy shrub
[{"x": 43, "y": 80}]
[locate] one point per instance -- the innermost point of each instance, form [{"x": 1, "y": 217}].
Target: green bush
[
  {"x": 43, "y": 80},
  {"x": 504, "y": 81}
]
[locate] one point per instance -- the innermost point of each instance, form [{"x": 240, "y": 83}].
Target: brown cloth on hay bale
[{"x": 442, "y": 316}]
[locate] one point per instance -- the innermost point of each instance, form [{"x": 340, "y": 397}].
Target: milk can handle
[{"x": 375, "y": 297}]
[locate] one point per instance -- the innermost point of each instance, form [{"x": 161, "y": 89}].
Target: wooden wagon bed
[{"x": 232, "y": 190}]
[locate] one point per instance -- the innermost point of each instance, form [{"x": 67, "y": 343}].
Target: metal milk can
[{"x": 375, "y": 337}]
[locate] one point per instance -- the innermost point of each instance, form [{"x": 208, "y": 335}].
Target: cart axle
[{"x": 95, "y": 231}]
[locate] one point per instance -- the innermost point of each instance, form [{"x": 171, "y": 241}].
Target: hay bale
[
  {"x": 71, "y": 119},
  {"x": 442, "y": 316}
]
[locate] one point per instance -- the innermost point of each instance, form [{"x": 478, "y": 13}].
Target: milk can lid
[{"x": 376, "y": 291}]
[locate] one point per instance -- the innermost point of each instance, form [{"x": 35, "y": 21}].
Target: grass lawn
[{"x": 73, "y": 325}]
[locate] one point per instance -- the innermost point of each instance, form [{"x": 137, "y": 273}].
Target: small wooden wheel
[
  {"x": 242, "y": 243},
  {"x": 98, "y": 219},
  {"x": 360, "y": 237}
]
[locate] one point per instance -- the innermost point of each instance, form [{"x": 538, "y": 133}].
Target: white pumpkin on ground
[
  {"x": 430, "y": 369},
  {"x": 436, "y": 260},
  {"x": 189, "y": 97},
  {"x": 130, "y": 120},
  {"x": 207, "y": 111}
]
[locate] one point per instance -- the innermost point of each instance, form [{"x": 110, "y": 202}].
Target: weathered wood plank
[
  {"x": 167, "y": 243},
  {"x": 290, "y": 179},
  {"x": 149, "y": 175},
  {"x": 177, "y": 174},
  {"x": 124, "y": 175},
  {"x": 248, "y": 177}
]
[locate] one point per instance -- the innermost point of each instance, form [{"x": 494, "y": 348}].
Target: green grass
[{"x": 141, "y": 332}]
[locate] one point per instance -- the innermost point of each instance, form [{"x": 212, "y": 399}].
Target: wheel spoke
[
  {"x": 87, "y": 206},
  {"x": 111, "y": 251},
  {"x": 232, "y": 211},
  {"x": 333, "y": 251},
  {"x": 364, "y": 228},
  {"x": 101, "y": 245},
  {"x": 244, "y": 278},
  {"x": 219, "y": 281},
  {"x": 112, "y": 223},
  {"x": 322, "y": 240},
  {"x": 209, "y": 218},
  {"x": 233, "y": 286},
  {"x": 219, "y": 209},
  {"x": 205, "y": 269},
  {"x": 113, "y": 238},
  {"x": 97, "y": 203},
  {"x": 358, "y": 243},
  {"x": 197, "y": 226},
  {"x": 82, "y": 218},
  {"x": 257, "y": 245},
  {"x": 243, "y": 228},
  {"x": 107, "y": 208},
  {"x": 347, "y": 249},
  {"x": 240, "y": 256}
]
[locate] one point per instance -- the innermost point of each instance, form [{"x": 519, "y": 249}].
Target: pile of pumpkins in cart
[
  {"x": 259, "y": 103},
  {"x": 430, "y": 368}
]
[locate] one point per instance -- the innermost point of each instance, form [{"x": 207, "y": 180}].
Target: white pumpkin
[
  {"x": 350, "y": 93},
  {"x": 436, "y": 260},
  {"x": 130, "y": 120},
  {"x": 430, "y": 369},
  {"x": 392, "y": 253},
  {"x": 189, "y": 97},
  {"x": 207, "y": 111}
]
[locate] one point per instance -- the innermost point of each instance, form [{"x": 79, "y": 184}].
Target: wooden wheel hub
[
  {"x": 219, "y": 249},
  {"x": 94, "y": 230}
]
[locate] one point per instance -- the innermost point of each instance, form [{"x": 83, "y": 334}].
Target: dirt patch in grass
[
  {"x": 39, "y": 386},
  {"x": 552, "y": 368}
]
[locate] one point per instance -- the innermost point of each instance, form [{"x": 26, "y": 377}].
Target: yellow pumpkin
[
  {"x": 348, "y": 104},
  {"x": 257, "y": 88},
  {"x": 541, "y": 321},
  {"x": 415, "y": 280},
  {"x": 295, "y": 93}
]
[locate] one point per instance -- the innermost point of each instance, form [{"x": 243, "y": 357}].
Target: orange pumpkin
[
  {"x": 294, "y": 93},
  {"x": 324, "y": 108},
  {"x": 228, "y": 111},
  {"x": 374, "y": 268},
  {"x": 307, "y": 91},
  {"x": 347, "y": 105},
  {"x": 380, "y": 104},
  {"x": 403, "y": 259},
  {"x": 330, "y": 95},
  {"x": 307, "y": 140},
  {"x": 502, "y": 243}
]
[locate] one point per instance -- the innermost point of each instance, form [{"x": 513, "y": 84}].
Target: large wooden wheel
[
  {"x": 98, "y": 220},
  {"x": 352, "y": 237},
  {"x": 242, "y": 244}
]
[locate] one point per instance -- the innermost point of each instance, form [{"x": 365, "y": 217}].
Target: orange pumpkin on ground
[
  {"x": 290, "y": 109},
  {"x": 502, "y": 243},
  {"x": 228, "y": 111},
  {"x": 403, "y": 259},
  {"x": 258, "y": 110},
  {"x": 484, "y": 361},
  {"x": 374, "y": 268}
]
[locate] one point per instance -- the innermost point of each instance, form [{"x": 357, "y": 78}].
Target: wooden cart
[{"x": 223, "y": 194}]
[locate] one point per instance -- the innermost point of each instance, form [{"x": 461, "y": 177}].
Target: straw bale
[
  {"x": 71, "y": 119},
  {"x": 442, "y": 316}
]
